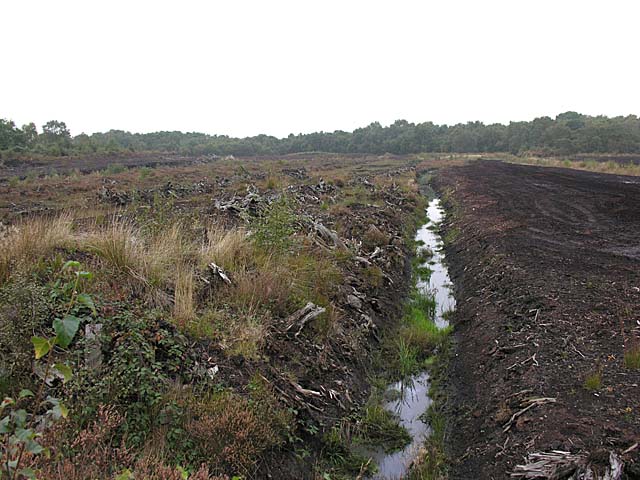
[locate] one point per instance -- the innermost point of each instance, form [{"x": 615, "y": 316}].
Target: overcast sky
[{"x": 278, "y": 67}]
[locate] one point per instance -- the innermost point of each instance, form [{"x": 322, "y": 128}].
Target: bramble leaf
[
  {"x": 124, "y": 475},
  {"x": 24, "y": 434},
  {"x": 66, "y": 329},
  {"x": 41, "y": 346},
  {"x": 4, "y": 424},
  {"x": 34, "y": 447},
  {"x": 65, "y": 371},
  {"x": 87, "y": 301},
  {"x": 60, "y": 411},
  {"x": 25, "y": 393},
  {"x": 71, "y": 264},
  {"x": 19, "y": 418},
  {"x": 27, "y": 472}
]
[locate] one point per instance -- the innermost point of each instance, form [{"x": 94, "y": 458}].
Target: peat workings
[{"x": 547, "y": 268}]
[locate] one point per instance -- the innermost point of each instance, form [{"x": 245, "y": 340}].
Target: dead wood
[
  {"x": 557, "y": 464},
  {"x": 530, "y": 403},
  {"x": 303, "y": 316}
]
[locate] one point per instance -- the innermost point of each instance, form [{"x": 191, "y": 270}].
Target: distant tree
[
  {"x": 569, "y": 132},
  {"x": 56, "y": 130},
  {"x": 30, "y": 133},
  {"x": 11, "y": 138},
  {"x": 56, "y": 137}
]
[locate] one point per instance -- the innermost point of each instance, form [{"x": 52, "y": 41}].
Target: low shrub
[{"x": 229, "y": 433}]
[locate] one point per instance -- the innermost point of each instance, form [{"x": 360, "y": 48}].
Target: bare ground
[{"x": 546, "y": 264}]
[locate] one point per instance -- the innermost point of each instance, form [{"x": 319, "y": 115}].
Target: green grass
[
  {"x": 632, "y": 357},
  {"x": 341, "y": 461},
  {"x": 423, "y": 273},
  {"x": 418, "y": 337},
  {"x": 145, "y": 172},
  {"x": 451, "y": 235},
  {"x": 423, "y": 255},
  {"x": 593, "y": 381},
  {"x": 419, "y": 328},
  {"x": 380, "y": 427},
  {"x": 407, "y": 359},
  {"x": 432, "y": 462},
  {"x": 114, "y": 169}
]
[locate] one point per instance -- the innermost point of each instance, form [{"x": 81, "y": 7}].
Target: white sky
[{"x": 247, "y": 67}]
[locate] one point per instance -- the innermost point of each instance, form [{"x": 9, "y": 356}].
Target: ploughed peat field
[{"x": 546, "y": 264}]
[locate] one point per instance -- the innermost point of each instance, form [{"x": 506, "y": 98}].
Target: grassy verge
[{"x": 609, "y": 166}]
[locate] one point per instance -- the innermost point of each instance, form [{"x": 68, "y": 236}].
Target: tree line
[{"x": 568, "y": 133}]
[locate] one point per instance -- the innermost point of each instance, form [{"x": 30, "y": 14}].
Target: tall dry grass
[
  {"x": 119, "y": 246},
  {"x": 32, "y": 239},
  {"x": 230, "y": 249},
  {"x": 184, "y": 307},
  {"x": 163, "y": 269}
]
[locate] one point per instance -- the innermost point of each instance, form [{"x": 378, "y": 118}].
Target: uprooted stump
[
  {"x": 303, "y": 316},
  {"x": 327, "y": 235},
  {"x": 565, "y": 465}
]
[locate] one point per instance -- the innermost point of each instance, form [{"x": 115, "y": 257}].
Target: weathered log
[
  {"x": 219, "y": 272},
  {"x": 559, "y": 464},
  {"x": 304, "y": 316},
  {"x": 328, "y": 235}
]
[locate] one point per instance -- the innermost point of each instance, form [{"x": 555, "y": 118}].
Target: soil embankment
[{"x": 546, "y": 264}]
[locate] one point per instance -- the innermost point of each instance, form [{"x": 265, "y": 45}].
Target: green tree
[
  {"x": 30, "y": 133},
  {"x": 56, "y": 137},
  {"x": 10, "y": 137}
]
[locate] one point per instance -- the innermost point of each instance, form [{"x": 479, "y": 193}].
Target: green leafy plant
[
  {"x": 18, "y": 435},
  {"x": 273, "y": 230}
]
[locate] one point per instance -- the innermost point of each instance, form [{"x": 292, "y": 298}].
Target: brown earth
[{"x": 546, "y": 264}]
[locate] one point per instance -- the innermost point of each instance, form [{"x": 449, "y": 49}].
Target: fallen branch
[
  {"x": 531, "y": 403},
  {"x": 219, "y": 272},
  {"x": 328, "y": 235},
  {"x": 304, "y": 391},
  {"x": 532, "y": 358},
  {"x": 304, "y": 316}
]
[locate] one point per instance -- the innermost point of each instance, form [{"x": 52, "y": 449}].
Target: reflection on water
[{"x": 414, "y": 400}]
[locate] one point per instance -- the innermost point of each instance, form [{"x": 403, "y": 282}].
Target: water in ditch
[{"x": 410, "y": 400}]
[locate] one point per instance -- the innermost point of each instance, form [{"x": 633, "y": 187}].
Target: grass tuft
[
  {"x": 593, "y": 381},
  {"x": 381, "y": 427},
  {"x": 632, "y": 357},
  {"x": 32, "y": 240},
  {"x": 184, "y": 308},
  {"x": 118, "y": 246}
]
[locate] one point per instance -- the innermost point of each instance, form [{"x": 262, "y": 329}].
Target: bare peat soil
[{"x": 546, "y": 264}]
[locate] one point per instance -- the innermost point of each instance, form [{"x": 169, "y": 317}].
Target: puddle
[{"x": 414, "y": 400}]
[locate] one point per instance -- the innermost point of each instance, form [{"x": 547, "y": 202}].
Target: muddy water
[{"x": 411, "y": 399}]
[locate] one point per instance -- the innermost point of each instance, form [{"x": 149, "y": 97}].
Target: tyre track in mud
[{"x": 546, "y": 265}]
